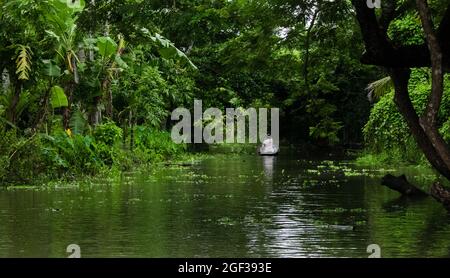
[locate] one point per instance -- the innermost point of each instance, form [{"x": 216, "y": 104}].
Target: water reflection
[
  {"x": 269, "y": 165},
  {"x": 292, "y": 209}
]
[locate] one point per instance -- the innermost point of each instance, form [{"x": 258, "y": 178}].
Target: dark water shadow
[{"x": 402, "y": 203}]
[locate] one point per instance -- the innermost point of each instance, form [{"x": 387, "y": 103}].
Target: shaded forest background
[{"x": 85, "y": 85}]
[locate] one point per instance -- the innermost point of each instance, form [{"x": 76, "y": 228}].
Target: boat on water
[{"x": 268, "y": 148}]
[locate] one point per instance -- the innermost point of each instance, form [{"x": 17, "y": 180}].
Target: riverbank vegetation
[
  {"x": 88, "y": 86},
  {"x": 388, "y": 139},
  {"x": 421, "y": 43}
]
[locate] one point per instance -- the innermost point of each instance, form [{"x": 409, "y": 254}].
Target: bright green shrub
[
  {"x": 122, "y": 159},
  {"x": 155, "y": 144},
  {"x": 386, "y": 128},
  {"x": 108, "y": 133},
  {"x": 72, "y": 154},
  {"x": 445, "y": 130},
  {"x": 407, "y": 30},
  {"x": 23, "y": 160}
]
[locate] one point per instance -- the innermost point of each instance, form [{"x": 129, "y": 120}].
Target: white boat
[{"x": 268, "y": 148}]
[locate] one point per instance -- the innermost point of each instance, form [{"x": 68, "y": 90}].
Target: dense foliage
[
  {"x": 92, "y": 84},
  {"x": 387, "y": 135}
]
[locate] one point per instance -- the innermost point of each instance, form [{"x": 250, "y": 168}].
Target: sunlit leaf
[
  {"x": 58, "y": 97},
  {"x": 106, "y": 46},
  {"x": 23, "y": 62},
  {"x": 51, "y": 69}
]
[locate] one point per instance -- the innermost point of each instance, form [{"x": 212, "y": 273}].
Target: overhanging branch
[{"x": 380, "y": 51}]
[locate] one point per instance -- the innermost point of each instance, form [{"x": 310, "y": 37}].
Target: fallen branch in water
[{"x": 402, "y": 185}]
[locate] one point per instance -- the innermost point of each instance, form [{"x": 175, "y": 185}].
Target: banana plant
[
  {"x": 63, "y": 30},
  {"x": 111, "y": 64},
  {"x": 54, "y": 95},
  {"x": 62, "y": 20},
  {"x": 66, "y": 50}
]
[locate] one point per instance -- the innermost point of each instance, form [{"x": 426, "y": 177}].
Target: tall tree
[{"x": 398, "y": 60}]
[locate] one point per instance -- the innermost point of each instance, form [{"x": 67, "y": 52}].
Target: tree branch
[
  {"x": 400, "y": 77},
  {"x": 389, "y": 12},
  {"x": 375, "y": 39},
  {"x": 402, "y": 185},
  {"x": 434, "y": 47},
  {"x": 380, "y": 52}
]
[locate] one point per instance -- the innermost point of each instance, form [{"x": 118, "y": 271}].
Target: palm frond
[
  {"x": 379, "y": 88},
  {"x": 53, "y": 35},
  {"x": 23, "y": 62},
  {"x": 23, "y": 102}
]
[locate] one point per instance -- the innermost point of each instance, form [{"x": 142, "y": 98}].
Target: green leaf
[
  {"x": 58, "y": 98},
  {"x": 78, "y": 122},
  {"x": 120, "y": 62},
  {"x": 51, "y": 69},
  {"x": 168, "y": 50},
  {"x": 379, "y": 88},
  {"x": 106, "y": 46},
  {"x": 53, "y": 35},
  {"x": 23, "y": 62}
]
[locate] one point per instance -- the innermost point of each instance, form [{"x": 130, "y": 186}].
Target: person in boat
[{"x": 267, "y": 147}]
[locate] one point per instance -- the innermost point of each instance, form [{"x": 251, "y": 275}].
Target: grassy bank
[
  {"x": 39, "y": 158},
  {"x": 393, "y": 158}
]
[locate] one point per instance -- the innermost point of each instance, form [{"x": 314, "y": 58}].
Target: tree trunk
[
  {"x": 44, "y": 108},
  {"x": 441, "y": 194},
  {"x": 69, "y": 89},
  {"x": 398, "y": 61},
  {"x": 400, "y": 77},
  {"x": 307, "y": 48},
  {"x": 12, "y": 113},
  {"x": 66, "y": 111},
  {"x": 131, "y": 130},
  {"x": 109, "y": 107},
  {"x": 95, "y": 113},
  {"x": 424, "y": 129},
  {"x": 107, "y": 82},
  {"x": 429, "y": 119}
]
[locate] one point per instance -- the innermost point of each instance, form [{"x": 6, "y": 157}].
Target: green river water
[{"x": 226, "y": 206}]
